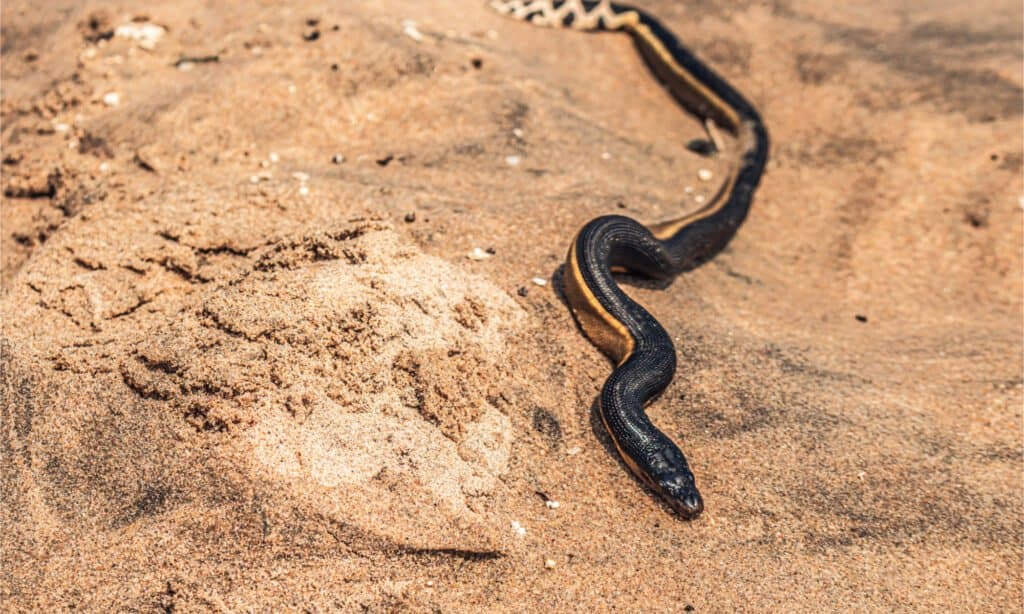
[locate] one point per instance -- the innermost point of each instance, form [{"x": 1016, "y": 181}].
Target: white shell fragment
[
  {"x": 704, "y": 174},
  {"x": 539, "y": 281},
  {"x": 409, "y": 27},
  {"x": 512, "y": 160},
  {"x": 518, "y": 529},
  {"x": 552, "y": 505},
  {"x": 146, "y": 35},
  {"x": 111, "y": 99},
  {"x": 479, "y": 254}
]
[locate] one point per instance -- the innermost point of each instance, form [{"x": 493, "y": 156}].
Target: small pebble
[
  {"x": 552, "y": 505},
  {"x": 337, "y": 158},
  {"x": 606, "y": 156},
  {"x": 549, "y": 564},
  {"x": 104, "y": 167},
  {"x": 303, "y": 190},
  {"x": 410, "y": 217},
  {"x": 409, "y": 27},
  {"x": 303, "y": 177},
  {"x": 704, "y": 174},
  {"x": 61, "y": 127},
  {"x": 186, "y": 66},
  {"x": 688, "y": 189},
  {"x": 699, "y": 199},
  {"x": 518, "y": 529},
  {"x": 573, "y": 451},
  {"x": 273, "y": 157},
  {"x": 292, "y": 89},
  {"x": 478, "y": 254},
  {"x": 264, "y": 163},
  {"x": 517, "y": 132},
  {"x": 111, "y": 99},
  {"x": 539, "y": 281},
  {"x": 523, "y": 291},
  {"x": 146, "y": 34},
  {"x": 512, "y": 160}
]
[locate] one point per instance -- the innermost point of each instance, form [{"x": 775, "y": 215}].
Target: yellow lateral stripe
[
  {"x": 591, "y": 307},
  {"x": 646, "y": 479},
  {"x": 665, "y": 230},
  {"x": 684, "y": 75}
]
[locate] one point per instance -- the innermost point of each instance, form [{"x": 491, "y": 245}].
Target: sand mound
[
  {"x": 341, "y": 371},
  {"x": 345, "y": 361},
  {"x": 343, "y": 358}
]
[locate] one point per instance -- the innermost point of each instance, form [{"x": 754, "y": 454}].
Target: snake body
[{"x": 643, "y": 352}]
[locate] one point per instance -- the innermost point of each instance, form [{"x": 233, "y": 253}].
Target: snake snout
[
  {"x": 690, "y": 506},
  {"x": 684, "y": 498}
]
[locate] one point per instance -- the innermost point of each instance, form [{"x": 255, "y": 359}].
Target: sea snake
[{"x": 644, "y": 356}]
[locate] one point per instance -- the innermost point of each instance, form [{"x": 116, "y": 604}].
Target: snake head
[
  {"x": 672, "y": 479},
  {"x": 681, "y": 494}
]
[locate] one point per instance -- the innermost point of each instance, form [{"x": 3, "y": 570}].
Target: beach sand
[{"x": 283, "y": 326}]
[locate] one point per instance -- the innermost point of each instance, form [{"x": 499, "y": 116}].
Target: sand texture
[{"x": 282, "y": 326}]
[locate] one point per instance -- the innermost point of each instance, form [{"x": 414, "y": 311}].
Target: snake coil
[{"x": 644, "y": 355}]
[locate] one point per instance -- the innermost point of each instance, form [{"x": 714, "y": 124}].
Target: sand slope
[{"x": 238, "y": 374}]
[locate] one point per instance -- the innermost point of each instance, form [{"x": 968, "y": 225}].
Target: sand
[{"x": 273, "y": 337}]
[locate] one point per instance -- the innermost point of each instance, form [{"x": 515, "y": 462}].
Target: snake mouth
[{"x": 688, "y": 507}]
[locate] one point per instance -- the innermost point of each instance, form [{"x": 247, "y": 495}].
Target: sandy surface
[{"x": 238, "y": 375}]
